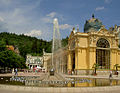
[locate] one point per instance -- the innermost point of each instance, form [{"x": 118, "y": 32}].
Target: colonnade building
[{"x": 96, "y": 45}]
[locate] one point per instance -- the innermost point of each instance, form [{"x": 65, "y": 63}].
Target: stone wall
[{"x": 90, "y": 72}]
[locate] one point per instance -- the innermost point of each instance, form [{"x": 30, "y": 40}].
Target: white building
[
  {"x": 47, "y": 60},
  {"x": 39, "y": 61},
  {"x": 34, "y": 61}
]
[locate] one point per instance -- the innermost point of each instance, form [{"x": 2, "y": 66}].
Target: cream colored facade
[
  {"x": 59, "y": 61},
  {"x": 83, "y": 47},
  {"x": 46, "y": 60}
]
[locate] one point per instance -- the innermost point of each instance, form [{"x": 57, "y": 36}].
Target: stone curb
[{"x": 59, "y": 89}]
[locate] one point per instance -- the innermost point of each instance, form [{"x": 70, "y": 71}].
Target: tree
[
  {"x": 95, "y": 67},
  {"x": 9, "y": 58},
  {"x": 116, "y": 66},
  {"x": 2, "y": 45},
  {"x": 34, "y": 46},
  {"x": 28, "y": 44},
  {"x": 64, "y": 41}
]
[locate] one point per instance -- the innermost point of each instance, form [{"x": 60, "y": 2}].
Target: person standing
[
  {"x": 16, "y": 73},
  {"x": 117, "y": 73},
  {"x": 110, "y": 76},
  {"x": 13, "y": 71}
]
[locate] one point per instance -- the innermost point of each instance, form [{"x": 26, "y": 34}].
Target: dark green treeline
[{"x": 26, "y": 45}]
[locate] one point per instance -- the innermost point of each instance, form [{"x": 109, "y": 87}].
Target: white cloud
[
  {"x": 34, "y": 33},
  {"x": 3, "y": 25},
  {"x": 18, "y": 19},
  {"x": 65, "y": 26},
  {"x": 108, "y": 1},
  {"x": 21, "y": 18},
  {"x": 49, "y": 17},
  {"x": 1, "y": 19},
  {"x": 52, "y": 14},
  {"x": 100, "y": 8},
  {"x": 47, "y": 20},
  {"x": 5, "y": 2}
]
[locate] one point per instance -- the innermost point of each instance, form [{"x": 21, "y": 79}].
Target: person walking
[
  {"x": 110, "y": 76},
  {"x": 16, "y": 73},
  {"x": 117, "y": 73}
]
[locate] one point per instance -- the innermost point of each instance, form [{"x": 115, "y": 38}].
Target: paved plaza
[
  {"x": 64, "y": 75},
  {"x": 26, "y": 89},
  {"x": 9, "y": 91}
]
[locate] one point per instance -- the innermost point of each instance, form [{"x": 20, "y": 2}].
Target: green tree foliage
[
  {"x": 34, "y": 46},
  {"x": 65, "y": 42},
  {"x": 9, "y": 58},
  {"x": 116, "y": 66},
  {"x": 2, "y": 45},
  {"x": 27, "y": 44},
  {"x": 95, "y": 67}
]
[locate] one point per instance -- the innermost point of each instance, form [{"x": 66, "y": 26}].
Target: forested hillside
[{"x": 27, "y": 44}]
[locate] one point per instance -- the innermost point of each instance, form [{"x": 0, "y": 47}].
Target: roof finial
[
  {"x": 73, "y": 28},
  {"x": 77, "y": 28},
  {"x": 92, "y": 15}
]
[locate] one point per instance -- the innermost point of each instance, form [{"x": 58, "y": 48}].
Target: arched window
[
  {"x": 103, "y": 43},
  {"x": 103, "y": 54}
]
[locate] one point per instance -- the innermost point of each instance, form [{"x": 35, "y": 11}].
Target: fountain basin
[{"x": 69, "y": 82}]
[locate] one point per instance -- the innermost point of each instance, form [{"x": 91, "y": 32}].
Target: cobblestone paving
[{"x": 10, "y": 91}]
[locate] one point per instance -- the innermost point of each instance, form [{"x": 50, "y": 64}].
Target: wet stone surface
[{"x": 70, "y": 82}]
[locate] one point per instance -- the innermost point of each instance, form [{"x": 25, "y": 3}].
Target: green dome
[{"x": 93, "y": 23}]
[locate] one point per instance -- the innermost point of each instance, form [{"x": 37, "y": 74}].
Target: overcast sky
[{"x": 35, "y": 17}]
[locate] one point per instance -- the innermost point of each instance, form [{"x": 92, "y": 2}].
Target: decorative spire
[
  {"x": 73, "y": 28},
  {"x": 77, "y": 28},
  {"x": 93, "y": 16}
]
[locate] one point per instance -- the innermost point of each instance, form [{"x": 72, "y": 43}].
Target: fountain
[{"x": 56, "y": 45}]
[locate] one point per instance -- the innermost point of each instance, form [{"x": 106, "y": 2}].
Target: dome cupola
[{"x": 92, "y": 23}]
